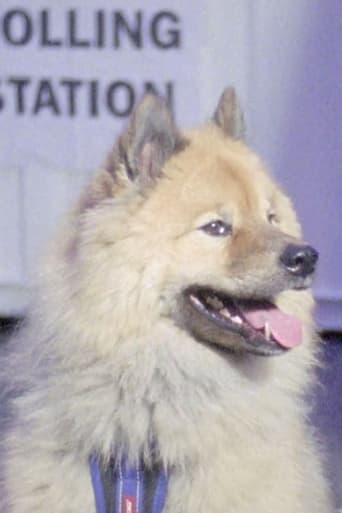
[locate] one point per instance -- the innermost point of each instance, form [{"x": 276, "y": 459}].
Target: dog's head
[{"x": 190, "y": 227}]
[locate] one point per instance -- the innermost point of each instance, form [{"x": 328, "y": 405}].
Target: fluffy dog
[{"x": 173, "y": 312}]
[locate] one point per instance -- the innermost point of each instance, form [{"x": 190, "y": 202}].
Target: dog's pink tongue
[{"x": 286, "y": 329}]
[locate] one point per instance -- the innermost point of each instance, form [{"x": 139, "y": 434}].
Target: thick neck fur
[{"x": 157, "y": 387}]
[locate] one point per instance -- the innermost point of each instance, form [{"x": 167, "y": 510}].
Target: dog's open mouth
[{"x": 246, "y": 325}]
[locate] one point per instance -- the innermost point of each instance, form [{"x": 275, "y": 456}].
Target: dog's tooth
[
  {"x": 237, "y": 319},
  {"x": 194, "y": 299},
  {"x": 225, "y": 313},
  {"x": 267, "y": 331}
]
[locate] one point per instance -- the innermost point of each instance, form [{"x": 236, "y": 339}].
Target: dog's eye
[
  {"x": 217, "y": 228},
  {"x": 272, "y": 217}
]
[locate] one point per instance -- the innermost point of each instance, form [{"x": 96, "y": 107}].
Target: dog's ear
[
  {"x": 228, "y": 115},
  {"x": 149, "y": 140},
  {"x": 140, "y": 153}
]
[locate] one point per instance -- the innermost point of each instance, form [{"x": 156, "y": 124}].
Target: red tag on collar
[{"x": 128, "y": 504}]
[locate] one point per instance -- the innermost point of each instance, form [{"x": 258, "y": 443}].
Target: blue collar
[{"x": 128, "y": 489}]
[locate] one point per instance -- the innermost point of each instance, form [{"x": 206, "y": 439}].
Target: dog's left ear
[
  {"x": 149, "y": 140},
  {"x": 228, "y": 115}
]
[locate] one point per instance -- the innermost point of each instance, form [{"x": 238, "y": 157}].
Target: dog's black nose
[{"x": 299, "y": 260}]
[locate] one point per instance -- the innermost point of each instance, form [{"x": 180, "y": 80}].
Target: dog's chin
[{"x": 230, "y": 325}]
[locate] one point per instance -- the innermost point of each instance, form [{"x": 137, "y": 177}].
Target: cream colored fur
[{"x": 101, "y": 364}]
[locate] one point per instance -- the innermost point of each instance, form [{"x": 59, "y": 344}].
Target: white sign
[{"x": 71, "y": 73}]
